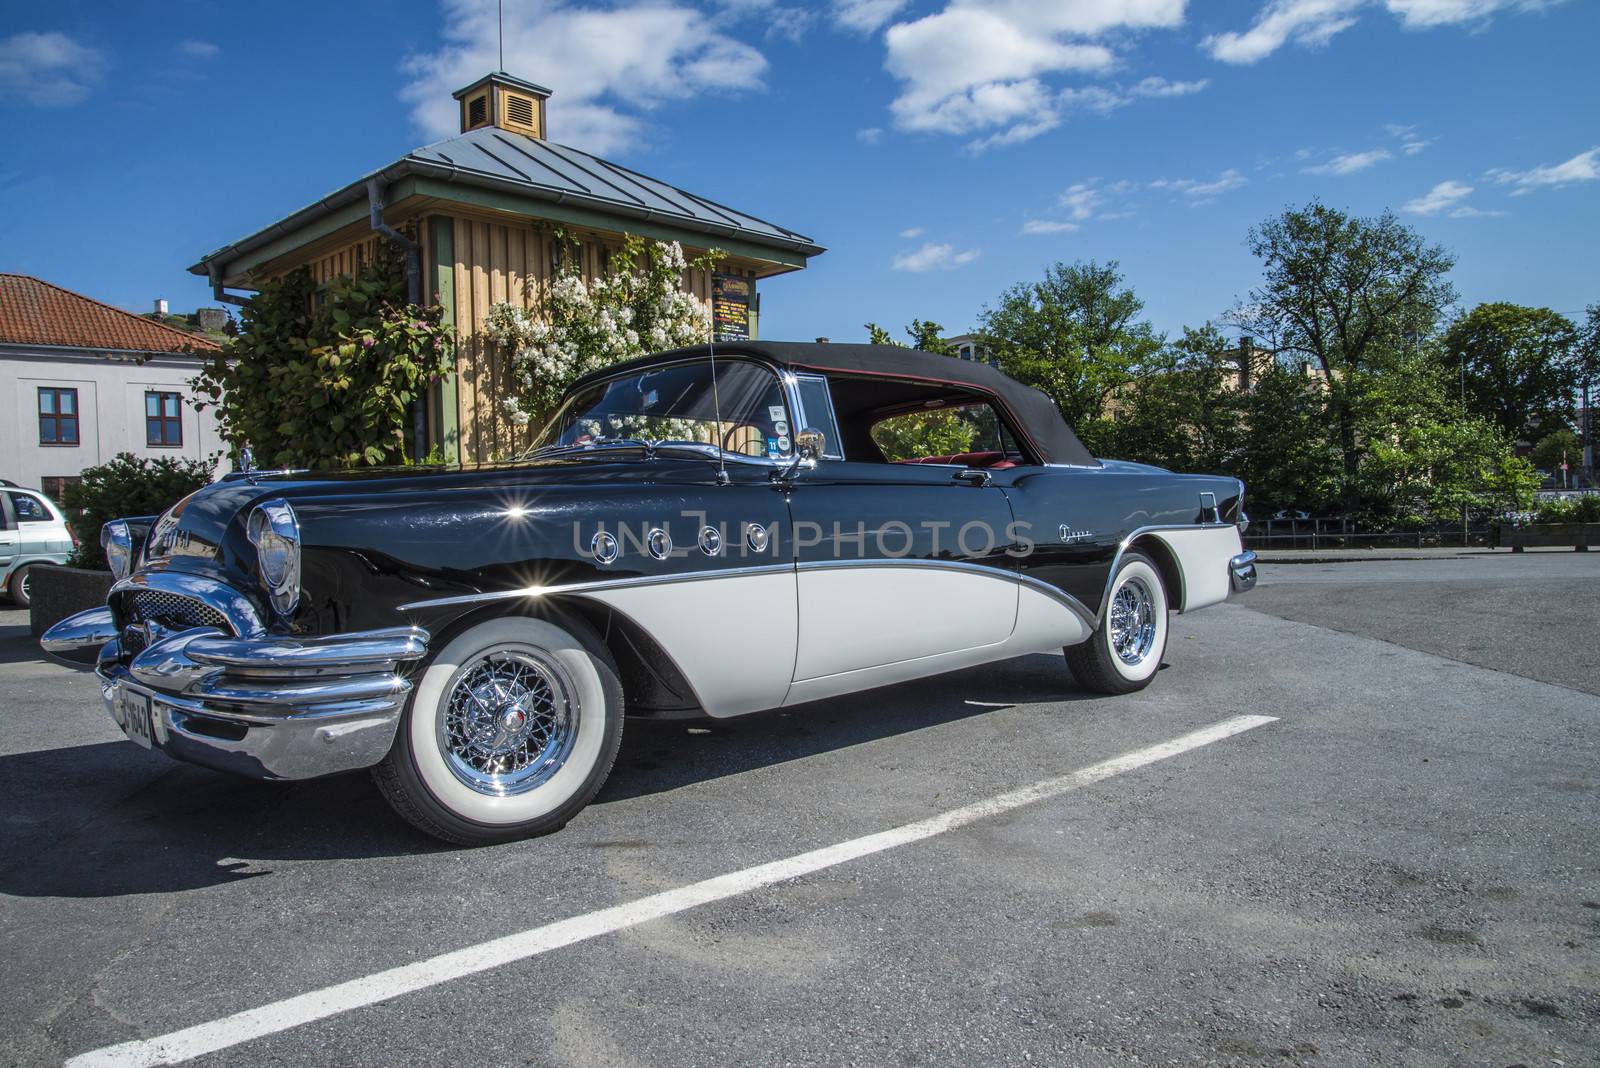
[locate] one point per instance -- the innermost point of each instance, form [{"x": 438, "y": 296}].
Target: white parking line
[{"x": 282, "y": 1015}]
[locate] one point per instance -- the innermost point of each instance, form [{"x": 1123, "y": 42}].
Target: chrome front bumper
[
  {"x": 267, "y": 706},
  {"x": 1242, "y": 571}
]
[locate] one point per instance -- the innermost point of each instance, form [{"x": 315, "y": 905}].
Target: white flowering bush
[{"x": 637, "y": 307}]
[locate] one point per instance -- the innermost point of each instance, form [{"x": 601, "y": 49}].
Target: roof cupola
[{"x": 501, "y": 100}]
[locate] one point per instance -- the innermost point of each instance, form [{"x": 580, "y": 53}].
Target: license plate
[{"x": 135, "y": 708}]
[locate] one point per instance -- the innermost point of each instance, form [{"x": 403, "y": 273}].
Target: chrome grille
[{"x": 170, "y": 610}]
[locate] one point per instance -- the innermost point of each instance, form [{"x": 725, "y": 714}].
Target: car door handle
[{"x": 974, "y": 477}]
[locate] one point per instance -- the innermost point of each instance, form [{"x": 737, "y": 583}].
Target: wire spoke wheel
[
  {"x": 509, "y": 721},
  {"x": 1133, "y": 621}
]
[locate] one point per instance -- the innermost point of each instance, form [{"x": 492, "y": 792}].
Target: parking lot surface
[{"x": 1403, "y": 867}]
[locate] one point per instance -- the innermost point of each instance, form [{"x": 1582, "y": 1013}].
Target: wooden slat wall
[{"x": 347, "y": 260}]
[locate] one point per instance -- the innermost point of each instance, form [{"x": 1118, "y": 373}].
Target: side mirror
[
  {"x": 808, "y": 446},
  {"x": 810, "y": 443}
]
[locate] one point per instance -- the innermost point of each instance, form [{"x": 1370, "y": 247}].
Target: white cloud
[
  {"x": 1081, "y": 200},
  {"x": 1226, "y": 182},
  {"x": 604, "y": 65},
  {"x": 1314, "y": 22},
  {"x": 984, "y": 66},
  {"x": 934, "y": 257},
  {"x": 912, "y": 233},
  {"x": 196, "y": 49},
  {"x": 1421, "y": 14},
  {"x": 1160, "y": 87},
  {"x": 1442, "y": 197},
  {"x": 1584, "y": 167},
  {"x": 1035, "y": 227},
  {"x": 1351, "y": 162},
  {"x": 47, "y": 69},
  {"x": 865, "y": 16},
  {"x": 870, "y": 136},
  {"x": 1411, "y": 142}
]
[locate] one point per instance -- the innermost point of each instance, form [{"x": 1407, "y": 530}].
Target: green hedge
[{"x": 128, "y": 486}]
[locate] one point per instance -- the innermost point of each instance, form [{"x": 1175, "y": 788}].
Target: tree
[
  {"x": 1349, "y": 294},
  {"x": 1286, "y": 457},
  {"x": 324, "y": 376},
  {"x": 638, "y": 306},
  {"x": 925, "y": 334},
  {"x": 1586, "y": 368},
  {"x": 1427, "y": 457},
  {"x": 128, "y": 485},
  {"x": 1180, "y": 411},
  {"x": 1517, "y": 363},
  {"x": 1554, "y": 449},
  {"x": 1075, "y": 335}
]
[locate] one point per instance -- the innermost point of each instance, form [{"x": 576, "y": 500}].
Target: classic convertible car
[{"x": 693, "y": 533}]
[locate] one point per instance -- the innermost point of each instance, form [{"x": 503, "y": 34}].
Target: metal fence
[{"x": 1342, "y": 534}]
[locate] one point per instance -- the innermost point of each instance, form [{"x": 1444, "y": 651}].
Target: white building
[
  {"x": 81, "y": 381},
  {"x": 971, "y": 347}
]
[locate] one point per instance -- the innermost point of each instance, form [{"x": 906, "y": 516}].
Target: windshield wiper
[{"x": 587, "y": 446}]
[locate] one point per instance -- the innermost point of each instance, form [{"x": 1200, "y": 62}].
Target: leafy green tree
[
  {"x": 1075, "y": 335},
  {"x": 1428, "y": 458},
  {"x": 1518, "y": 364},
  {"x": 925, "y": 334},
  {"x": 128, "y": 485},
  {"x": 1586, "y": 368},
  {"x": 323, "y": 376},
  {"x": 1352, "y": 295},
  {"x": 1181, "y": 410},
  {"x": 1286, "y": 457},
  {"x": 1555, "y": 447}
]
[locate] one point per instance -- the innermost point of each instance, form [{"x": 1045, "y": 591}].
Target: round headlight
[
  {"x": 275, "y": 532},
  {"x": 117, "y": 540}
]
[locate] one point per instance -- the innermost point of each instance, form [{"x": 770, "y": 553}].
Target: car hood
[{"x": 205, "y": 532}]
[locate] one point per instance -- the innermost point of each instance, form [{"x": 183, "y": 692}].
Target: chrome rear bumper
[
  {"x": 268, "y": 706},
  {"x": 1242, "y": 571}
]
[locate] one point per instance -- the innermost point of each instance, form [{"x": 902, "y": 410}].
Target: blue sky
[{"x": 941, "y": 149}]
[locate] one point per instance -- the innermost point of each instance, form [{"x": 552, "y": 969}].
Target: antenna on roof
[
  {"x": 502, "y": 35},
  {"x": 716, "y": 400}
]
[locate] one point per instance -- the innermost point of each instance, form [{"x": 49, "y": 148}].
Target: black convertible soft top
[{"x": 1034, "y": 413}]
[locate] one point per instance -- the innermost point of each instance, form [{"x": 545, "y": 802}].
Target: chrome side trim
[
  {"x": 235, "y": 607},
  {"x": 1242, "y": 572},
  {"x": 592, "y": 585},
  {"x": 1061, "y": 596}
]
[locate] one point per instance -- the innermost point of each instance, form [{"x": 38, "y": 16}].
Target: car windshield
[{"x": 677, "y": 404}]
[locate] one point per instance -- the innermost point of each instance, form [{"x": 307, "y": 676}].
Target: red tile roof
[{"x": 34, "y": 312}]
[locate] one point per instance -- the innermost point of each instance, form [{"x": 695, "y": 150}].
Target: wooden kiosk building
[{"x": 477, "y": 215}]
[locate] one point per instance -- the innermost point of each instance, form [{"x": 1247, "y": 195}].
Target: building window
[
  {"x": 163, "y": 423},
  {"x": 55, "y": 486},
  {"x": 58, "y": 416}
]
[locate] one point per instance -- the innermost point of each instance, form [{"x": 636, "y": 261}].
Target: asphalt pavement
[{"x": 1402, "y": 868}]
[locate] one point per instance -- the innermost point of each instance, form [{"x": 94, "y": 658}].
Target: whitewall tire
[
  {"x": 1125, "y": 651},
  {"x": 510, "y": 730}
]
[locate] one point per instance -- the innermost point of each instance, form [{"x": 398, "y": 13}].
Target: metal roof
[
  {"x": 542, "y": 170},
  {"x": 504, "y": 79}
]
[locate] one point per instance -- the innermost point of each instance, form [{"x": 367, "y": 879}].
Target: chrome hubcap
[
  {"x": 1133, "y": 621},
  {"x": 509, "y": 721}
]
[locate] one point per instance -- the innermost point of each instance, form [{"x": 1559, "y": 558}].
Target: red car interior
[{"x": 994, "y": 460}]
